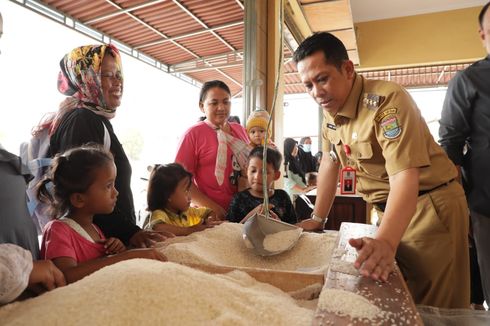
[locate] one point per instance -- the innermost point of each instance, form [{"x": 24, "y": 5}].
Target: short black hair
[
  {"x": 333, "y": 49},
  {"x": 212, "y": 84},
  {"x": 482, "y": 14},
  {"x": 274, "y": 157},
  {"x": 303, "y": 140},
  {"x": 163, "y": 182}
]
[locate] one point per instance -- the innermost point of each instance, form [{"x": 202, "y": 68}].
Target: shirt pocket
[
  {"x": 366, "y": 161},
  {"x": 335, "y": 140}
]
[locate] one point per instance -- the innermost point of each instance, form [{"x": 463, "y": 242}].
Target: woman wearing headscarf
[
  {"x": 294, "y": 181},
  {"x": 214, "y": 150},
  {"x": 91, "y": 78}
]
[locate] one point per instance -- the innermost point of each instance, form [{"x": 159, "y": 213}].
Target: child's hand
[
  {"x": 308, "y": 189},
  {"x": 148, "y": 253},
  {"x": 46, "y": 274},
  {"x": 274, "y": 215},
  {"x": 210, "y": 221},
  {"x": 113, "y": 246},
  {"x": 147, "y": 239}
]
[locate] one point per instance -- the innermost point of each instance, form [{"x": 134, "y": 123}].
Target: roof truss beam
[
  {"x": 183, "y": 8},
  {"x": 123, "y": 11},
  {"x": 202, "y": 31}
]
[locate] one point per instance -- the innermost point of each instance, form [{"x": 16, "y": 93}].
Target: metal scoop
[{"x": 258, "y": 226}]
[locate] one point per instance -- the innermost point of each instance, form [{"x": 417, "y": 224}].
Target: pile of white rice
[
  {"x": 148, "y": 292},
  {"x": 223, "y": 245},
  {"x": 345, "y": 303},
  {"x": 282, "y": 240}
]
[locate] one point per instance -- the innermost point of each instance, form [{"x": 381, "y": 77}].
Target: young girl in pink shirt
[{"x": 79, "y": 185}]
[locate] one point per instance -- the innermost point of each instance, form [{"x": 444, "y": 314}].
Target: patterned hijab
[{"x": 80, "y": 80}]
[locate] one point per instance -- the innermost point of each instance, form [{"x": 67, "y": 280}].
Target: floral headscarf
[{"x": 80, "y": 80}]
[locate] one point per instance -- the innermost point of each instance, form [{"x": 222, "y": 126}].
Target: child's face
[
  {"x": 180, "y": 200},
  {"x": 254, "y": 175},
  {"x": 257, "y": 135},
  {"x": 101, "y": 196}
]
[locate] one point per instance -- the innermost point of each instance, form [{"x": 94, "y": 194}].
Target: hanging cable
[{"x": 265, "y": 186}]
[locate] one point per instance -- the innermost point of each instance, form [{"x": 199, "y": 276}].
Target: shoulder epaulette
[{"x": 373, "y": 101}]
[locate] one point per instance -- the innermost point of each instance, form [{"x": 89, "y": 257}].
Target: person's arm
[
  {"x": 147, "y": 238},
  {"x": 113, "y": 246},
  {"x": 180, "y": 230},
  {"x": 376, "y": 256},
  {"x": 298, "y": 184},
  {"x": 74, "y": 272},
  {"x": 328, "y": 175},
  {"x": 45, "y": 276},
  {"x": 200, "y": 199},
  {"x": 15, "y": 268},
  {"x": 456, "y": 117}
]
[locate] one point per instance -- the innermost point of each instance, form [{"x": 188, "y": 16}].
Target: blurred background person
[
  {"x": 295, "y": 179},
  {"x": 306, "y": 159}
]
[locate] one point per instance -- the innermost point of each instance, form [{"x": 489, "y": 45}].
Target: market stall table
[{"x": 390, "y": 301}]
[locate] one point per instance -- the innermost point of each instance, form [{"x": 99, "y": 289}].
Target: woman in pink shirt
[{"x": 213, "y": 150}]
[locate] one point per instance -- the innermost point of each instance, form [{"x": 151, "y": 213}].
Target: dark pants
[
  {"x": 475, "y": 278},
  {"x": 481, "y": 234}
]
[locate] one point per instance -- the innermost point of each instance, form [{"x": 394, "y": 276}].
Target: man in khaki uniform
[{"x": 375, "y": 128}]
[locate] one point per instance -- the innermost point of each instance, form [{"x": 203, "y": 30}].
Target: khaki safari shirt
[{"x": 385, "y": 133}]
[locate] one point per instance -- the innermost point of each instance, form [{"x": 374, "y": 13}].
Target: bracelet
[{"x": 318, "y": 219}]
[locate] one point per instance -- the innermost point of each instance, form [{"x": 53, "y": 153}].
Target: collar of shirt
[
  {"x": 351, "y": 106},
  {"x": 175, "y": 216}
]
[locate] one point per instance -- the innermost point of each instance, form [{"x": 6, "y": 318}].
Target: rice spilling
[{"x": 345, "y": 303}]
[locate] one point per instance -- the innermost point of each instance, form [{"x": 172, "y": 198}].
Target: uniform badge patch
[
  {"x": 391, "y": 127},
  {"x": 381, "y": 115}
]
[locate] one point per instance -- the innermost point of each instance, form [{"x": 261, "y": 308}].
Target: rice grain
[
  {"x": 345, "y": 303},
  {"x": 223, "y": 245},
  {"x": 147, "y": 292},
  {"x": 282, "y": 240}
]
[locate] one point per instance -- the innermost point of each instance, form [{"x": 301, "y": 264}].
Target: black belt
[{"x": 382, "y": 206}]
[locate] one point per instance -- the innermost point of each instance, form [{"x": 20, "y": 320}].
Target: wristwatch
[{"x": 318, "y": 219}]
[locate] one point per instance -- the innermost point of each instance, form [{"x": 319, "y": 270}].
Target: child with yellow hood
[{"x": 256, "y": 128}]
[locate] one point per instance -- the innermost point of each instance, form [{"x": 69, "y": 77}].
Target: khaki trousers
[{"x": 433, "y": 253}]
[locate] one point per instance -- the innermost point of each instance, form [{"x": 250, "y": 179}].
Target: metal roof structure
[
  {"x": 192, "y": 39},
  {"x": 199, "y": 40}
]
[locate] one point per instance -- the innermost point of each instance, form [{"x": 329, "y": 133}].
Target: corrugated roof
[
  {"x": 426, "y": 76},
  {"x": 203, "y": 39},
  {"x": 187, "y": 36}
]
